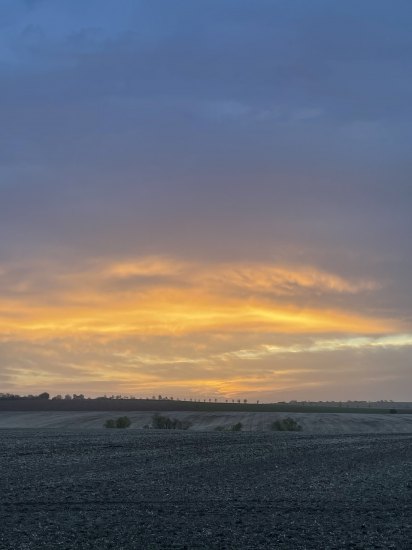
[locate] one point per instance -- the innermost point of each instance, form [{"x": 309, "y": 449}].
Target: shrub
[
  {"x": 286, "y": 425},
  {"x": 219, "y": 429},
  {"x": 160, "y": 422},
  {"x": 123, "y": 422},
  {"x": 393, "y": 411},
  {"x": 236, "y": 427}
]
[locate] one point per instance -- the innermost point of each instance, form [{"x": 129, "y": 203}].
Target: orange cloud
[{"x": 156, "y": 295}]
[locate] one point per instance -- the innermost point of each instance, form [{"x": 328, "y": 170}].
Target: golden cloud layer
[
  {"x": 163, "y": 325},
  {"x": 156, "y": 295}
]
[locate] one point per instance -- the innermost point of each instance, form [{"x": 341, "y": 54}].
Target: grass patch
[{"x": 233, "y": 428}]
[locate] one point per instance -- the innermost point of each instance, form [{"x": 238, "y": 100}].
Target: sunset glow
[{"x": 210, "y": 202}]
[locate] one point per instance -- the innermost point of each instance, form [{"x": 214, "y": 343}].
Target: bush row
[{"x": 160, "y": 422}]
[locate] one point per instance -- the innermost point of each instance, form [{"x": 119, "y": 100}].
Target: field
[
  {"x": 311, "y": 423},
  {"x": 145, "y": 489}
]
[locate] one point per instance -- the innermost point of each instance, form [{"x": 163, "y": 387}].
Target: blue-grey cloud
[{"x": 270, "y": 121}]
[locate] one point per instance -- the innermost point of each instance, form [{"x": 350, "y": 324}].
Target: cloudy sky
[{"x": 206, "y": 198}]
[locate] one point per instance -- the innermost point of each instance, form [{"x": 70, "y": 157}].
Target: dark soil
[{"x": 161, "y": 490}]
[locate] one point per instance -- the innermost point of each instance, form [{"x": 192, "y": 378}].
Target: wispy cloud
[
  {"x": 159, "y": 295},
  {"x": 363, "y": 343}
]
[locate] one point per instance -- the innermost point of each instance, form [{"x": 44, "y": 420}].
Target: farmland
[
  {"x": 147, "y": 489},
  {"x": 311, "y": 423}
]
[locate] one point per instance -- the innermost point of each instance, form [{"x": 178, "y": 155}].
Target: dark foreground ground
[{"x": 155, "y": 490}]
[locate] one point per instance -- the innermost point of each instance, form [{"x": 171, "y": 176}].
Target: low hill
[{"x": 312, "y": 423}]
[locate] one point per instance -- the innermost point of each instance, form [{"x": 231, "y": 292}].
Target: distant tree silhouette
[
  {"x": 44, "y": 395},
  {"x": 10, "y": 396}
]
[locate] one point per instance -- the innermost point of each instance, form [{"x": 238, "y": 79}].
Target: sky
[{"x": 206, "y": 198}]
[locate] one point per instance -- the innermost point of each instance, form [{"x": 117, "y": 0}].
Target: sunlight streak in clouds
[
  {"x": 156, "y": 295},
  {"x": 150, "y": 323},
  {"x": 324, "y": 345}
]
